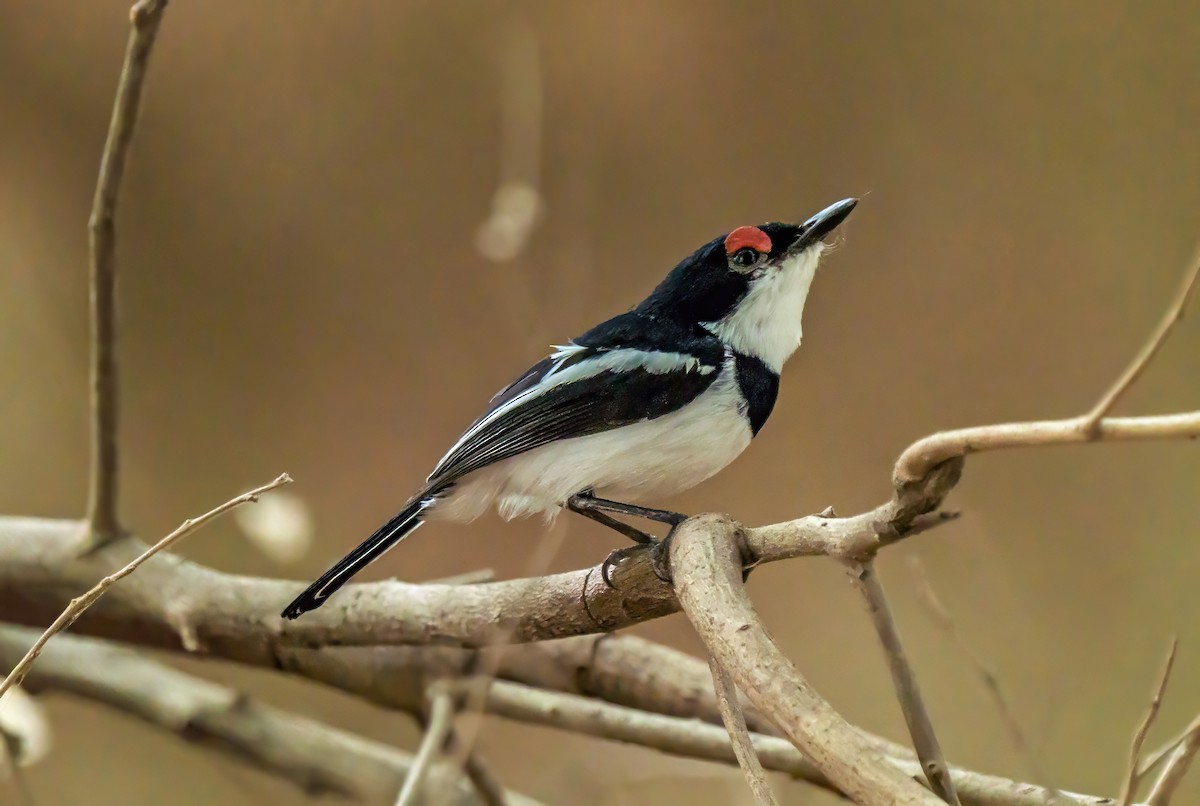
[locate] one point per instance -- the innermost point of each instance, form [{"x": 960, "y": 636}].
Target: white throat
[{"x": 767, "y": 322}]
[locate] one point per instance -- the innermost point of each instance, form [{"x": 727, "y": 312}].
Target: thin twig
[
  {"x": 1159, "y": 337},
  {"x": 103, "y": 524},
  {"x": 1154, "y": 758},
  {"x": 1094, "y": 426},
  {"x": 1177, "y": 766},
  {"x": 916, "y": 715},
  {"x": 739, "y": 736},
  {"x": 476, "y": 577},
  {"x": 441, "y": 721},
  {"x": 81, "y": 603},
  {"x": 489, "y": 789},
  {"x": 1129, "y": 785},
  {"x": 928, "y": 597}
]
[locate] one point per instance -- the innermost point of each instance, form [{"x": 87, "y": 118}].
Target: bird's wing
[{"x": 599, "y": 382}]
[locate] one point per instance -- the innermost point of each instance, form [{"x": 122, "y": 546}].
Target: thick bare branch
[
  {"x": 102, "y": 520},
  {"x": 916, "y": 715},
  {"x": 686, "y": 737},
  {"x": 315, "y": 757},
  {"x": 706, "y": 563},
  {"x": 78, "y": 605}
]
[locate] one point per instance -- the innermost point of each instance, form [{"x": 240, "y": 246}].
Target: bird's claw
[
  {"x": 616, "y": 557},
  {"x": 660, "y": 559}
]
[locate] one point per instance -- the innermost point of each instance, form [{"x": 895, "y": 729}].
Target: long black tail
[{"x": 371, "y": 549}]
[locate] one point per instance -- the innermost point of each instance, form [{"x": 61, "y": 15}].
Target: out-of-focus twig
[
  {"x": 928, "y": 597},
  {"x": 102, "y": 520},
  {"x": 912, "y": 704},
  {"x": 1130, "y": 782},
  {"x": 517, "y": 204},
  {"x": 1176, "y": 767},
  {"x": 476, "y": 577},
  {"x": 1142, "y": 360},
  {"x": 441, "y": 722},
  {"x": 739, "y": 736},
  {"x": 81, "y": 603}
]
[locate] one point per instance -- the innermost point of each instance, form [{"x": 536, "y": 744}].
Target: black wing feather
[{"x": 590, "y": 405}]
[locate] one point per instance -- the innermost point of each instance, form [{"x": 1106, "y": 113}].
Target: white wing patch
[{"x": 619, "y": 360}]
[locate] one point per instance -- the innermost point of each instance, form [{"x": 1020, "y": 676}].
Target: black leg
[
  {"x": 588, "y": 500},
  {"x": 633, "y": 533},
  {"x": 587, "y": 504}
]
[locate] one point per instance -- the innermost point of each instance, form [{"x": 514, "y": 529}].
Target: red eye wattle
[{"x": 752, "y": 237}]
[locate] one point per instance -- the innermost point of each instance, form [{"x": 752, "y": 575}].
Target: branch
[
  {"x": 916, "y": 716},
  {"x": 1170, "y": 318},
  {"x": 441, "y": 722},
  {"x": 928, "y": 597},
  {"x": 739, "y": 736},
  {"x": 690, "y": 739},
  {"x": 234, "y": 618},
  {"x": 78, "y": 605},
  {"x": 922, "y": 456},
  {"x": 706, "y": 564},
  {"x": 1129, "y": 785},
  {"x": 1177, "y": 766},
  {"x": 103, "y": 524},
  {"x": 315, "y": 757}
]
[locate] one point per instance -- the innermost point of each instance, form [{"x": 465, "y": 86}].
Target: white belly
[{"x": 644, "y": 461}]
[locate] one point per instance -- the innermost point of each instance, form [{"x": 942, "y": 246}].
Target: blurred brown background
[{"x": 301, "y": 291}]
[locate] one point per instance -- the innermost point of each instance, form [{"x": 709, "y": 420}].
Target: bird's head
[{"x": 748, "y": 287}]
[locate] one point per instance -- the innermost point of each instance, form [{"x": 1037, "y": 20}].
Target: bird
[{"x": 646, "y": 404}]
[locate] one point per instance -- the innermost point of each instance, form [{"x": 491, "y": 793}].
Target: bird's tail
[{"x": 403, "y": 524}]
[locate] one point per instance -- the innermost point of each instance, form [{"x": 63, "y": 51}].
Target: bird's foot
[{"x": 660, "y": 558}]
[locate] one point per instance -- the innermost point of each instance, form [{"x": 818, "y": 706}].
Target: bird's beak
[{"x": 823, "y": 223}]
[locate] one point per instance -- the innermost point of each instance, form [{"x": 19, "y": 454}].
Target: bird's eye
[{"x": 744, "y": 257}]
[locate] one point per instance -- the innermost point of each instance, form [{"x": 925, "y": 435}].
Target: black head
[{"x": 708, "y": 284}]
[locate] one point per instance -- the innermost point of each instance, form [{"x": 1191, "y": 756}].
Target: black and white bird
[{"x": 647, "y": 404}]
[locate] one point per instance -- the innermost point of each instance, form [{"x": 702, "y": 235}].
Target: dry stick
[
  {"x": 441, "y": 722},
  {"x": 647, "y": 679},
  {"x": 925, "y": 454},
  {"x": 739, "y": 736},
  {"x": 691, "y": 739},
  {"x": 476, "y": 577},
  {"x": 81, "y": 603},
  {"x": 103, "y": 524},
  {"x": 706, "y": 564},
  {"x": 1172, "y": 316},
  {"x": 1177, "y": 766},
  {"x": 315, "y": 757},
  {"x": 928, "y": 597},
  {"x": 1154, "y": 758},
  {"x": 1129, "y": 785},
  {"x": 904, "y": 678}
]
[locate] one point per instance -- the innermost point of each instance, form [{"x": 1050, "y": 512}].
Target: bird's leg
[
  {"x": 587, "y": 499},
  {"x": 587, "y": 504},
  {"x": 581, "y": 504}
]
